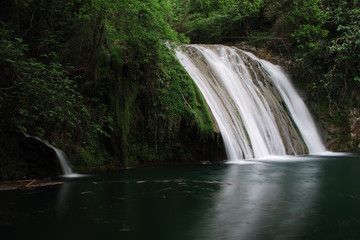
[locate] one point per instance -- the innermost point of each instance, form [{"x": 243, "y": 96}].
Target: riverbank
[{"x": 27, "y": 183}]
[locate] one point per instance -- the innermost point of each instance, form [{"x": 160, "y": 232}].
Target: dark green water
[{"x": 305, "y": 198}]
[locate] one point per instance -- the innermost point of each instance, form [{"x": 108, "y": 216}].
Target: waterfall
[
  {"x": 63, "y": 160},
  {"x": 64, "y": 163},
  {"x": 258, "y": 111}
]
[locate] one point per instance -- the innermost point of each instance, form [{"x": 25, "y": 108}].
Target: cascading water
[
  {"x": 65, "y": 167},
  {"x": 258, "y": 111}
]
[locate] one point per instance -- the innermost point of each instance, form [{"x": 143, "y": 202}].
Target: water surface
[{"x": 302, "y": 198}]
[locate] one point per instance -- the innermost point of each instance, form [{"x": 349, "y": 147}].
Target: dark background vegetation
[{"x": 96, "y": 78}]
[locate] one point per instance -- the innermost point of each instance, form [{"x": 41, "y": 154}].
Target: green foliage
[
  {"x": 178, "y": 114},
  {"x": 322, "y": 37},
  {"x": 328, "y": 46},
  {"x": 95, "y": 78},
  {"x": 214, "y": 21},
  {"x": 41, "y": 99},
  {"x": 343, "y": 51}
]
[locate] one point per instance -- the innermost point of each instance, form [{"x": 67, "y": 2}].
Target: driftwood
[{"x": 28, "y": 185}]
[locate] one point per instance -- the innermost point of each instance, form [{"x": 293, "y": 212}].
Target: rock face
[
  {"x": 342, "y": 134},
  {"x": 40, "y": 158},
  {"x": 22, "y": 156},
  {"x": 354, "y": 118}
]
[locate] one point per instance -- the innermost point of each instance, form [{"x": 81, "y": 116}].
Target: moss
[
  {"x": 116, "y": 62},
  {"x": 159, "y": 114},
  {"x": 182, "y": 113},
  {"x": 206, "y": 124}
]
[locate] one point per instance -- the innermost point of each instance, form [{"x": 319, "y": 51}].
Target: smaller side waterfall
[
  {"x": 64, "y": 163},
  {"x": 63, "y": 160}
]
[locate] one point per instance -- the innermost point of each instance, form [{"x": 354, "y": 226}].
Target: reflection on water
[
  {"x": 314, "y": 197},
  {"x": 264, "y": 202}
]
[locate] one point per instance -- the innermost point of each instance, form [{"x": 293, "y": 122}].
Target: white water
[
  {"x": 296, "y": 106},
  {"x": 258, "y": 111},
  {"x": 63, "y": 160},
  {"x": 65, "y": 167}
]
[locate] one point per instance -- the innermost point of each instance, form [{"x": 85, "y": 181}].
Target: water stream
[
  {"x": 60, "y": 154},
  {"x": 258, "y": 111}
]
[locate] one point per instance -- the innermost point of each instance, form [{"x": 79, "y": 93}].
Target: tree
[{"x": 215, "y": 21}]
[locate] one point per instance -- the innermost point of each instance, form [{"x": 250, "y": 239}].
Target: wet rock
[
  {"x": 354, "y": 118},
  {"x": 25, "y": 157},
  {"x": 40, "y": 158}
]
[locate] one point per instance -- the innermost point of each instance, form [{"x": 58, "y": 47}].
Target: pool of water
[{"x": 312, "y": 197}]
